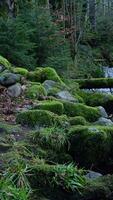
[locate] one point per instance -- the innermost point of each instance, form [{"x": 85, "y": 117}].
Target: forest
[{"x": 56, "y": 99}]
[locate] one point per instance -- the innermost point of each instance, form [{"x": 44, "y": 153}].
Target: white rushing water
[{"x": 108, "y": 72}]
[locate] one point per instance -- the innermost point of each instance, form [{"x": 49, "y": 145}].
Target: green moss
[
  {"x": 90, "y": 145},
  {"x": 53, "y": 91},
  {"x": 53, "y": 106},
  {"x": 97, "y": 99},
  {"x": 6, "y": 128},
  {"x": 42, "y": 74},
  {"x": 35, "y": 91},
  {"x": 77, "y": 120},
  {"x": 77, "y": 109},
  {"x": 100, "y": 188},
  {"x": 36, "y": 76},
  {"x": 68, "y": 177},
  {"x": 95, "y": 83},
  {"x": 51, "y": 74},
  {"x": 51, "y": 138},
  {"x": 40, "y": 118},
  {"x": 20, "y": 70},
  {"x": 80, "y": 99},
  {"x": 5, "y": 62}
]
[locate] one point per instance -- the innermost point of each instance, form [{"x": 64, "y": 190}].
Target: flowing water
[{"x": 108, "y": 73}]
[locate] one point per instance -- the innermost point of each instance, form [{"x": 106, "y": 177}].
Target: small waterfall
[{"x": 108, "y": 72}]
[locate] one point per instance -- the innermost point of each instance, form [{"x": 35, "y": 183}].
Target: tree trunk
[{"x": 92, "y": 13}]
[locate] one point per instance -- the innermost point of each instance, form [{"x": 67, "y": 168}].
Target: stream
[{"x": 108, "y": 73}]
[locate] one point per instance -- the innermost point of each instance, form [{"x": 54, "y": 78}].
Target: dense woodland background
[{"x": 73, "y": 36}]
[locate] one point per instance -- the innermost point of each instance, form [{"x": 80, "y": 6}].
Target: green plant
[
  {"x": 69, "y": 177},
  {"x": 53, "y": 138},
  {"x": 9, "y": 191},
  {"x": 17, "y": 171}
]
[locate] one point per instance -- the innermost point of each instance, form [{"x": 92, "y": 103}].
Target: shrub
[{"x": 15, "y": 43}]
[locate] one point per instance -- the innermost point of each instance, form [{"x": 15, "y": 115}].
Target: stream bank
[{"x": 56, "y": 141}]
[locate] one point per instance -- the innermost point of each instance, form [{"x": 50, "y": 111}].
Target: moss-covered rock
[
  {"x": 60, "y": 176},
  {"x": 99, "y": 189},
  {"x": 40, "y": 118},
  {"x": 5, "y": 63},
  {"x": 53, "y": 91},
  {"x": 51, "y": 74},
  {"x": 53, "y": 106},
  {"x": 98, "y": 99},
  {"x": 90, "y": 146},
  {"x": 8, "y": 79},
  {"x": 20, "y": 70},
  {"x": 42, "y": 74},
  {"x": 77, "y": 120},
  {"x": 35, "y": 91},
  {"x": 77, "y": 109}
]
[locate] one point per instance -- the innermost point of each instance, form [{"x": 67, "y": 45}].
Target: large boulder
[
  {"x": 90, "y": 145},
  {"x": 15, "y": 90},
  {"x": 2, "y": 68},
  {"x": 65, "y": 95},
  {"x": 9, "y": 79},
  {"x": 93, "y": 175},
  {"x": 103, "y": 121},
  {"x": 49, "y": 84},
  {"x": 100, "y": 188},
  {"x": 103, "y": 112}
]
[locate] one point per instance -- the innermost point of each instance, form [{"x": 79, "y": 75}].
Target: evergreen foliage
[{"x": 32, "y": 39}]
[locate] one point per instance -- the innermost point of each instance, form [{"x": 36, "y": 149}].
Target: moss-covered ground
[{"x": 47, "y": 145}]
